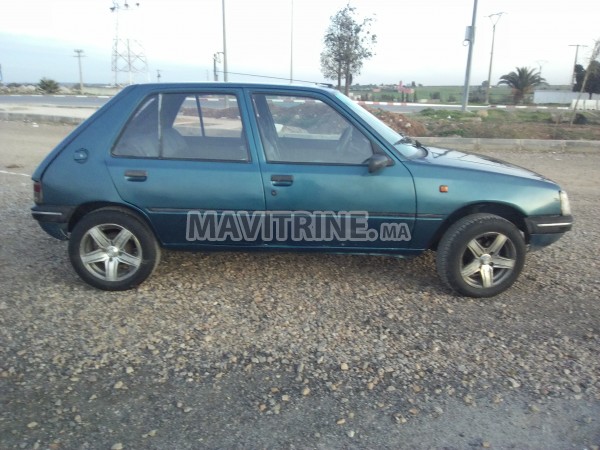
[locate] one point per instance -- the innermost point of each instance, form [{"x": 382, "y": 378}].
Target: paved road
[
  {"x": 97, "y": 101},
  {"x": 84, "y": 101}
]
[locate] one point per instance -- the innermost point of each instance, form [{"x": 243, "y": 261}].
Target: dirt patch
[{"x": 401, "y": 123}]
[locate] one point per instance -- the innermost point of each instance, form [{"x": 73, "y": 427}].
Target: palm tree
[{"x": 522, "y": 82}]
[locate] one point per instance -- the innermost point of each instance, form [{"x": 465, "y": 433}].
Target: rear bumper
[
  {"x": 545, "y": 230},
  {"x": 54, "y": 220}
]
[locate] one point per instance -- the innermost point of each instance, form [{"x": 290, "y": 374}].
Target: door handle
[
  {"x": 282, "y": 180},
  {"x": 136, "y": 175}
]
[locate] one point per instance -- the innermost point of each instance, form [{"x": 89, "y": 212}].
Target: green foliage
[
  {"x": 535, "y": 116},
  {"x": 430, "y": 112},
  {"x": 522, "y": 82},
  {"x": 592, "y": 84},
  {"x": 348, "y": 43},
  {"x": 48, "y": 86},
  {"x": 498, "y": 115},
  {"x": 445, "y": 113},
  {"x": 453, "y": 94}
]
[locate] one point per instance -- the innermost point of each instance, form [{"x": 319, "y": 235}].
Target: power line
[{"x": 276, "y": 78}]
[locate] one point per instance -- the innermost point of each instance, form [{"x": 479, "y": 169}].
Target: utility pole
[
  {"x": 224, "y": 45},
  {"x": 292, "y": 44},
  {"x": 540, "y": 63},
  {"x": 79, "y": 55},
  {"x": 216, "y": 59},
  {"x": 495, "y": 18},
  {"x": 470, "y": 37},
  {"x": 593, "y": 57},
  {"x": 573, "y": 75}
]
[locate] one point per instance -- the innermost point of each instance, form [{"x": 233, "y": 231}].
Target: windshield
[{"x": 397, "y": 140}]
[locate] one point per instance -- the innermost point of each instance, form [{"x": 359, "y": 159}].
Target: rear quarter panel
[{"x": 69, "y": 182}]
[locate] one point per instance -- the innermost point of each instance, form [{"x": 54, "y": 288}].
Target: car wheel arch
[
  {"x": 508, "y": 212},
  {"x": 87, "y": 208}
]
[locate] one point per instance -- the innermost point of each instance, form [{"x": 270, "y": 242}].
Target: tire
[
  {"x": 481, "y": 255},
  {"x": 113, "y": 250}
]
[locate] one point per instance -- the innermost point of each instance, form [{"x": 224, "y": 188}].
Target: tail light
[{"x": 37, "y": 192}]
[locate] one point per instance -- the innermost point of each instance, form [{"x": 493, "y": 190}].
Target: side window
[
  {"x": 198, "y": 126},
  {"x": 140, "y": 137},
  {"x": 307, "y": 130}
]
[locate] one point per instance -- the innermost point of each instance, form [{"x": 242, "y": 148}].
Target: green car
[{"x": 226, "y": 166}]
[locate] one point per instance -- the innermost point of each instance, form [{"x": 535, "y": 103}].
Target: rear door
[{"x": 184, "y": 159}]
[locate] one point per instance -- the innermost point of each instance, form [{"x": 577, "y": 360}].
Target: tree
[
  {"x": 592, "y": 84},
  {"x": 589, "y": 78},
  {"x": 48, "y": 86},
  {"x": 522, "y": 82},
  {"x": 347, "y": 44}
]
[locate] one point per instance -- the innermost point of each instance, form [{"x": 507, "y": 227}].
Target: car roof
[{"x": 233, "y": 85}]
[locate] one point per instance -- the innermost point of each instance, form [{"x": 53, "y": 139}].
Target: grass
[
  {"x": 447, "y": 94},
  {"x": 507, "y": 124}
]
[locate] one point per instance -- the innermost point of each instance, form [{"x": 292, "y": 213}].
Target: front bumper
[
  {"x": 54, "y": 220},
  {"x": 548, "y": 224},
  {"x": 545, "y": 230}
]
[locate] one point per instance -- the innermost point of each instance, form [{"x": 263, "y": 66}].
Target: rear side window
[
  {"x": 140, "y": 137},
  {"x": 197, "y": 126}
]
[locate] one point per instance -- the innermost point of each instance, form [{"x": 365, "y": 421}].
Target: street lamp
[{"x": 495, "y": 18}]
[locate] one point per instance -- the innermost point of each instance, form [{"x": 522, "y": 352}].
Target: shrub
[{"x": 48, "y": 86}]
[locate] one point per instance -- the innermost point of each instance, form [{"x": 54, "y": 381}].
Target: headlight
[{"x": 565, "y": 207}]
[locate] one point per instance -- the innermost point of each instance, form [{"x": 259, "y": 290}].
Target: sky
[{"x": 418, "y": 40}]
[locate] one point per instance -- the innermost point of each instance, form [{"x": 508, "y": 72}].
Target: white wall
[{"x": 561, "y": 97}]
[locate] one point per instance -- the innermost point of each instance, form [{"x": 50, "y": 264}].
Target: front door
[{"x": 316, "y": 180}]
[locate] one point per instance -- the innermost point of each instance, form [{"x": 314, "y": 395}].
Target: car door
[
  {"x": 185, "y": 161},
  {"x": 317, "y": 184}
]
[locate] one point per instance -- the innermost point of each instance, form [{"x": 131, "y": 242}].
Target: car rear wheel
[
  {"x": 481, "y": 255},
  {"x": 113, "y": 250}
]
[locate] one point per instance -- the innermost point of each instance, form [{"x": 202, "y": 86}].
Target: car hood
[{"x": 473, "y": 161}]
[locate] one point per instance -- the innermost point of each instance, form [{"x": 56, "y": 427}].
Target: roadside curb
[
  {"x": 455, "y": 106},
  {"x": 538, "y": 145},
  {"x": 41, "y": 118}
]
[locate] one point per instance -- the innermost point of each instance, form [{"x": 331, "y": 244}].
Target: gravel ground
[{"x": 253, "y": 350}]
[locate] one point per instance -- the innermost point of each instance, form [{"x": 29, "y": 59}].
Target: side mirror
[{"x": 378, "y": 162}]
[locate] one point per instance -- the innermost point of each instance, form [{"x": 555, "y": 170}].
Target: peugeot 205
[{"x": 224, "y": 166}]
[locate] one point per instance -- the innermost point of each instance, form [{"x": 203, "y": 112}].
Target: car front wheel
[
  {"x": 481, "y": 255},
  {"x": 113, "y": 250}
]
